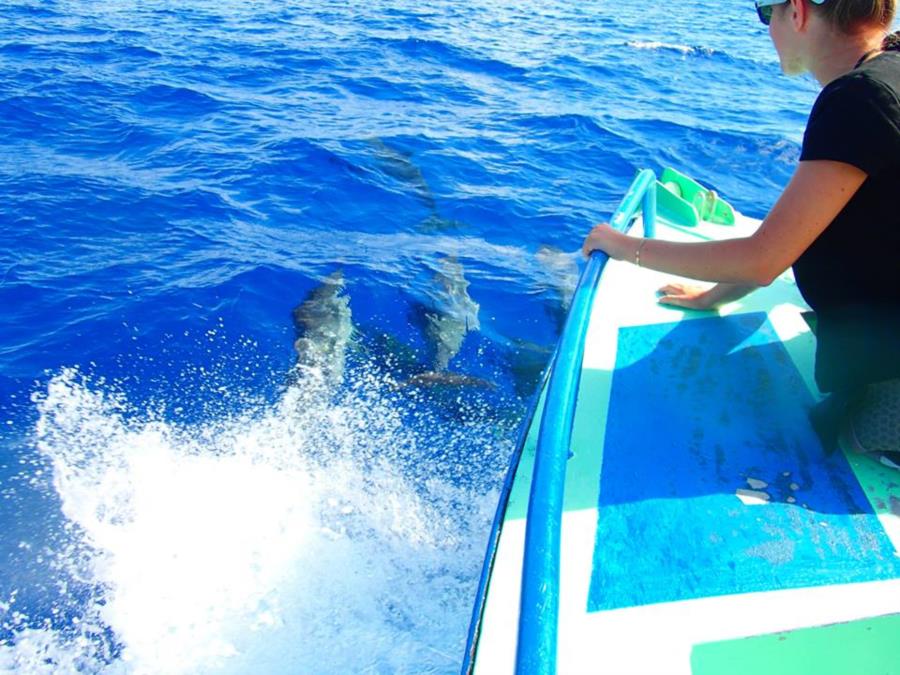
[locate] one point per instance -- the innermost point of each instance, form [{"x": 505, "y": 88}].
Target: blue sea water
[{"x": 175, "y": 177}]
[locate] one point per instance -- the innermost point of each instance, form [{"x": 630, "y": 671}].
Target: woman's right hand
[
  {"x": 687, "y": 295},
  {"x": 700, "y": 297}
]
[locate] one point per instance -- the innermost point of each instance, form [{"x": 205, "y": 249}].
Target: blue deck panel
[{"x": 696, "y": 409}]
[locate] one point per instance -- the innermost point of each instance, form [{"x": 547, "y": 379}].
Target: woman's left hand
[{"x": 606, "y": 239}]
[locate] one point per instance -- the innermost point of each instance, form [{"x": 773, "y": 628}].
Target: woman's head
[
  {"x": 819, "y": 35},
  {"x": 845, "y": 16}
]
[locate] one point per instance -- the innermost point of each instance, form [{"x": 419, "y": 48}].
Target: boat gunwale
[{"x": 499, "y": 518}]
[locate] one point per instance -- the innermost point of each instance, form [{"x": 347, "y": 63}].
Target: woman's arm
[{"x": 815, "y": 195}]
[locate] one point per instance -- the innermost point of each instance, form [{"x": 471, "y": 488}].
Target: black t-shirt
[{"x": 850, "y": 275}]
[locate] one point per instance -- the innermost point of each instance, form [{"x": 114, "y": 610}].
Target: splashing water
[{"x": 318, "y": 534}]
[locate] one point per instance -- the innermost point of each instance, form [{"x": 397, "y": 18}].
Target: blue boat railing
[
  {"x": 539, "y": 606},
  {"x": 494, "y": 537}
]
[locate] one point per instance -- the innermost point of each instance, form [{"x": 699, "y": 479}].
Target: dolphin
[
  {"x": 324, "y": 327},
  {"x": 449, "y": 316},
  {"x": 399, "y": 166},
  {"x": 453, "y": 312},
  {"x": 562, "y": 272},
  {"x": 446, "y": 379},
  {"x": 437, "y": 223},
  {"x": 527, "y": 362}
]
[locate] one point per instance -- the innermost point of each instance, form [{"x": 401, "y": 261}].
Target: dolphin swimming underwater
[
  {"x": 561, "y": 271},
  {"x": 527, "y": 361},
  {"x": 453, "y": 312},
  {"x": 448, "y": 314},
  {"x": 446, "y": 379},
  {"x": 398, "y": 165},
  {"x": 324, "y": 327}
]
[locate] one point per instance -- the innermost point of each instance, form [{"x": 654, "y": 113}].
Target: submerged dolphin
[
  {"x": 449, "y": 314},
  {"x": 562, "y": 273},
  {"x": 453, "y": 312},
  {"x": 398, "y": 165},
  {"x": 446, "y": 379},
  {"x": 324, "y": 327},
  {"x": 527, "y": 362}
]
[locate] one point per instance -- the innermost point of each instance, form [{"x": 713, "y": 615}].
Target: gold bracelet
[{"x": 637, "y": 252}]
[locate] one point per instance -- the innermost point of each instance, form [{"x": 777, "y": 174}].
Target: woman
[{"x": 837, "y": 222}]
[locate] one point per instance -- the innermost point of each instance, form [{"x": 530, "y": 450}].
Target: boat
[{"x": 669, "y": 507}]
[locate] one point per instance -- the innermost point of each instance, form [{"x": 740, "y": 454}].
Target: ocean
[{"x": 182, "y": 490}]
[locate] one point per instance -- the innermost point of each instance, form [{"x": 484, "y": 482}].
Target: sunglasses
[{"x": 764, "y": 9}]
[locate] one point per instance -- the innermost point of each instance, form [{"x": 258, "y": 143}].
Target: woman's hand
[
  {"x": 606, "y": 239},
  {"x": 686, "y": 295},
  {"x": 700, "y": 297}
]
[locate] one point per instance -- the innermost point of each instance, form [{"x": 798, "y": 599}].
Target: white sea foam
[{"x": 290, "y": 540}]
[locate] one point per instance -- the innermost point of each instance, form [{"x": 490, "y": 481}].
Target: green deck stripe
[
  {"x": 867, "y": 647},
  {"x": 583, "y": 470}
]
